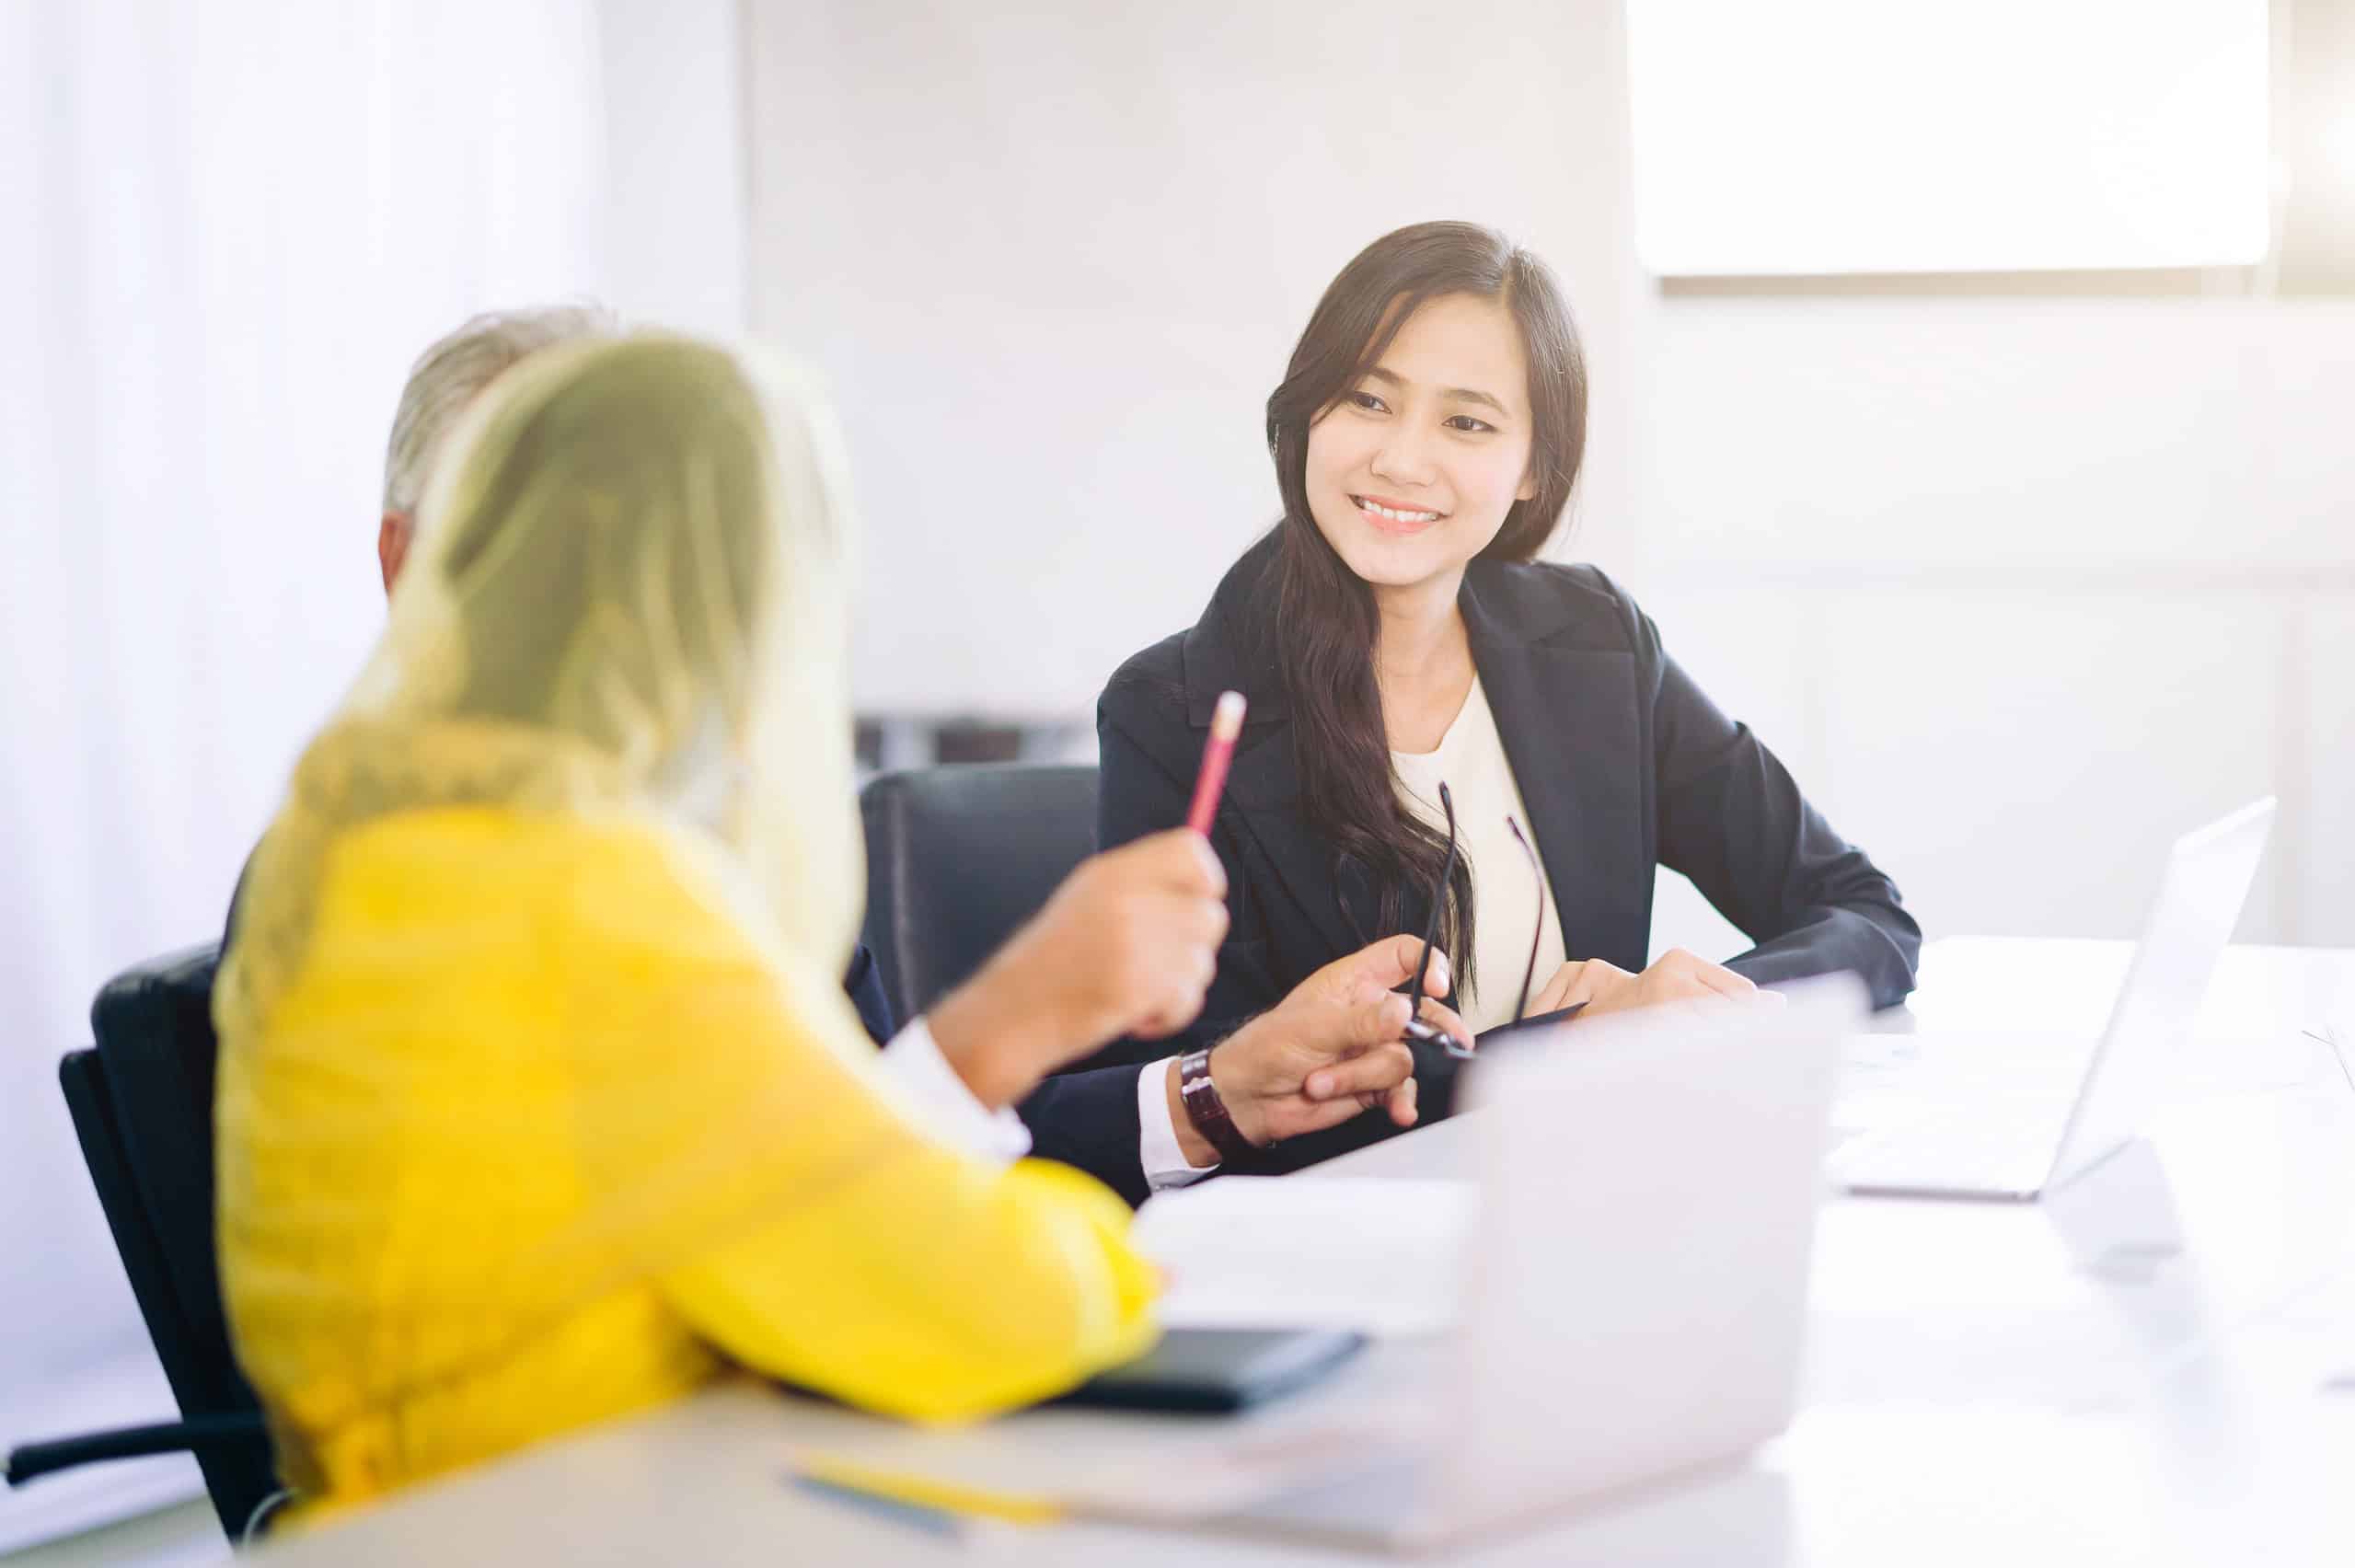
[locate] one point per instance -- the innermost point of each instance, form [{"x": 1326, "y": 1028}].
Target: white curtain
[{"x": 229, "y": 228}]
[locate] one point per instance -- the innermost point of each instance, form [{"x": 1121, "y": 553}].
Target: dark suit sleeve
[
  {"x": 1089, "y": 1119},
  {"x": 863, "y": 982},
  {"x": 1732, "y": 819}
]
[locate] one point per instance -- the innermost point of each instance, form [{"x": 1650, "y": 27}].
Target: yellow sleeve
[
  {"x": 933, "y": 1290},
  {"x": 792, "y": 1214}
]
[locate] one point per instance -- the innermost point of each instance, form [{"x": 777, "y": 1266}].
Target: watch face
[{"x": 1208, "y": 1113}]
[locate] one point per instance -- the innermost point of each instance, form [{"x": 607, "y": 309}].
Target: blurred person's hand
[
  {"x": 1675, "y": 975},
  {"x": 1329, "y": 1051},
  {"x": 1127, "y": 945}
]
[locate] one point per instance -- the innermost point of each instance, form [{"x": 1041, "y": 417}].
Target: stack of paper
[{"x": 1381, "y": 1256}]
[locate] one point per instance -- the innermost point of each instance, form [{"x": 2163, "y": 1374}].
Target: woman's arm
[
  {"x": 930, "y": 1287},
  {"x": 741, "y": 1149},
  {"x": 1733, "y": 820}
]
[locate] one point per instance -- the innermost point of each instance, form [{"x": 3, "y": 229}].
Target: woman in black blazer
[{"x": 1427, "y": 437}]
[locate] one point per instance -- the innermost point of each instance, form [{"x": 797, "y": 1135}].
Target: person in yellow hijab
[{"x": 539, "y": 1102}]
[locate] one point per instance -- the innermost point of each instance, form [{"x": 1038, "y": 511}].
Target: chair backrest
[
  {"x": 957, "y": 857},
  {"x": 142, "y": 1103}
]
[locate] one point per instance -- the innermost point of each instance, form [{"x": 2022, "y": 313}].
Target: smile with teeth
[{"x": 1394, "y": 514}]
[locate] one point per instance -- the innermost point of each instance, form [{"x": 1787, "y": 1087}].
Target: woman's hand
[
  {"x": 1331, "y": 1050},
  {"x": 1127, "y": 945},
  {"x": 1675, "y": 975}
]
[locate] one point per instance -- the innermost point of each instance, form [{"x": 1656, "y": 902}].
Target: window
[{"x": 1827, "y": 136}]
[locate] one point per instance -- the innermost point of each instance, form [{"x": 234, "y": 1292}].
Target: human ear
[{"x": 392, "y": 544}]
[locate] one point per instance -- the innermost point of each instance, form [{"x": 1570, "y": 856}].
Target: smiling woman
[
  {"x": 1396, "y": 632},
  {"x": 1433, "y": 412}
]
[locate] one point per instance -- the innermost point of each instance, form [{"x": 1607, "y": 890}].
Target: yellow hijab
[{"x": 628, "y": 598}]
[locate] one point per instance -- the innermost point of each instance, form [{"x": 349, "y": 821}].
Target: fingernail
[{"x": 1320, "y": 1085}]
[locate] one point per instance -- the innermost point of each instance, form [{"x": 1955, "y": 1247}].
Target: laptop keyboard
[{"x": 1993, "y": 1146}]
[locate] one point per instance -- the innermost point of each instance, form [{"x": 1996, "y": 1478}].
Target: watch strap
[{"x": 1208, "y": 1113}]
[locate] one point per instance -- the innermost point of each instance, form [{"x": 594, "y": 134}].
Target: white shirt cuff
[
  {"x": 1157, "y": 1139},
  {"x": 944, "y": 1107}
]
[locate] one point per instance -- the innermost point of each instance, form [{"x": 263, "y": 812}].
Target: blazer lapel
[
  {"x": 1264, "y": 789},
  {"x": 1570, "y": 722}
]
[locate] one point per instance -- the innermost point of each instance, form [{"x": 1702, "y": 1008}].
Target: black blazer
[{"x": 1623, "y": 764}]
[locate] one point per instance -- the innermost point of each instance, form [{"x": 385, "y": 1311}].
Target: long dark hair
[{"x": 1324, "y": 625}]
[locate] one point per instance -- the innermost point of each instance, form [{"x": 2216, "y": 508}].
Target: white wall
[
  {"x": 230, "y": 234},
  {"x": 2070, "y": 571},
  {"x": 1054, "y": 259},
  {"x": 2022, "y": 578},
  {"x": 232, "y": 230},
  {"x": 674, "y": 151}
]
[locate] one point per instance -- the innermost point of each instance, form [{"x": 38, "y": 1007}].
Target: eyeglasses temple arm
[
  {"x": 1536, "y": 932},
  {"x": 1438, "y": 903}
]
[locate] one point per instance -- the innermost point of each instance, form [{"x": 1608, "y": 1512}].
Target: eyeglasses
[{"x": 1430, "y": 1034}]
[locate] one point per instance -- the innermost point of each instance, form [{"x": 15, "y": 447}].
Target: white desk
[{"x": 2142, "y": 1369}]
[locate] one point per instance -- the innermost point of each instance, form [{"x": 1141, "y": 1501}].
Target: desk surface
[{"x": 2156, "y": 1365}]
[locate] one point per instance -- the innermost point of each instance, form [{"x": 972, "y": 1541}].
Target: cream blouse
[{"x": 1470, "y": 760}]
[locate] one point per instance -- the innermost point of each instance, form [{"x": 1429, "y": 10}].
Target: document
[{"x": 1383, "y": 1256}]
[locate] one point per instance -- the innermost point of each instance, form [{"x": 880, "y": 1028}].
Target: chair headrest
[
  {"x": 164, "y": 995},
  {"x": 957, "y": 857}
]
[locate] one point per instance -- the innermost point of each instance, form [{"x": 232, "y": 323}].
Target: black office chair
[
  {"x": 957, "y": 857},
  {"x": 142, "y": 1101}
]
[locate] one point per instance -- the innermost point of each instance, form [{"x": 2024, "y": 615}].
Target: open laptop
[
  {"x": 1638, "y": 1272},
  {"x": 2001, "y": 1143}
]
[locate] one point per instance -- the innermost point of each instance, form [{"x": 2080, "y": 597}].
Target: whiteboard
[{"x": 1829, "y": 136}]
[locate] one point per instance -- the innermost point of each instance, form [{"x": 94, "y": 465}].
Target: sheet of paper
[{"x": 1380, "y": 1255}]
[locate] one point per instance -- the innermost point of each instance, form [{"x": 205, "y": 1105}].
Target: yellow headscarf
[
  {"x": 628, "y": 602},
  {"x": 630, "y": 590}
]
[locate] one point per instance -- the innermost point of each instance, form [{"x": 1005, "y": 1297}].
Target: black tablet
[
  {"x": 1506, "y": 1032},
  {"x": 1217, "y": 1371}
]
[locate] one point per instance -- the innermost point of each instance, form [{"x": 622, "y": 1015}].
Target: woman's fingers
[
  {"x": 1723, "y": 982},
  {"x": 1554, "y": 995},
  {"x": 1601, "y": 984},
  {"x": 1696, "y": 976}
]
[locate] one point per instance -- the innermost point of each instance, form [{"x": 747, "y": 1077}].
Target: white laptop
[
  {"x": 1638, "y": 1272},
  {"x": 2003, "y": 1143}
]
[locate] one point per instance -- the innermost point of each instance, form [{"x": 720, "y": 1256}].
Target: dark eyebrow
[{"x": 1459, "y": 394}]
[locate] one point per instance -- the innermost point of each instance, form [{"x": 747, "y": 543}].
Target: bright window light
[{"x": 1826, "y": 136}]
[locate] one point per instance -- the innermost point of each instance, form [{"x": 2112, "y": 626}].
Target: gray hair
[{"x": 449, "y": 374}]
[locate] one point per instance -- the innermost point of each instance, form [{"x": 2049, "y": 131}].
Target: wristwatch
[{"x": 1208, "y": 1113}]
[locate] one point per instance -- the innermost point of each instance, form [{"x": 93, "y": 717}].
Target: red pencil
[{"x": 1226, "y": 723}]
